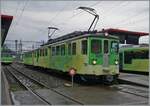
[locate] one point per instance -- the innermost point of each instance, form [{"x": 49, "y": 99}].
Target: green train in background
[
  {"x": 134, "y": 59},
  {"x": 7, "y": 56},
  {"x": 93, "y": 55}
]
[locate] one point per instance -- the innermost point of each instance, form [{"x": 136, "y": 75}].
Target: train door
[
  {"x": 32, "y": 57},
  {"x": 106, "y": 53},
  {"x": 95, "y": 55},
  {"x": 120, "y": 61}
]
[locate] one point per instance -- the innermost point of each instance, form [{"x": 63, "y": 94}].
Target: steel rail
[
  {"x": 29, "y": 89},
  {"x": 78, "y": 101},
  {"x": 131, "y": 92},
  {"x": 54, "y": 90}
]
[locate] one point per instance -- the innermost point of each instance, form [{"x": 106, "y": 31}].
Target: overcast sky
[{"x": 31, "y": 18}]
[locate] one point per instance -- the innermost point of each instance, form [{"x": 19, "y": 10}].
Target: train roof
[
  {"x": 79, "y": 34},
  {"x": 134, "y": 47}
]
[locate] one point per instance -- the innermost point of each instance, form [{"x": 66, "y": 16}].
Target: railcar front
[
  {"x": 102, "y": 58},
  {"x": 7, "y": 58}
]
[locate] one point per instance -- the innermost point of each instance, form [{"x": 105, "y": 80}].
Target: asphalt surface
[
  {"x": 5, "y": 96},
  {"x": 135, "y": 78}
]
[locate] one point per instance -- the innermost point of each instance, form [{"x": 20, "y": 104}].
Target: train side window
[
  {"x": 69, "y": 49},
  {"x": 34, "y": 53},
  {"x": 84, "y": 47},
  {"x": 96, "y": 46},
  {"x": 40, "y": 52},
  {"x": 73, "y": 48},
  {"x": 43, "y": 52},
  {"x": 114, "y": 46},
  {"x": 37, "y": 53},
  {"x": 57, "y": 50},
  {"x": 46, "y": 52},
  {"x": 53, "y": 51},
  {"x": 63, "y": 49},
  {"x": 128, "y": 57}
]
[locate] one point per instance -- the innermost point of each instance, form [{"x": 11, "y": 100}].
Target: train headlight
[
  {"x": 94, "y": 62},
  {"x": 116, "y": 62},
  {"x": 106, "y": 34}
]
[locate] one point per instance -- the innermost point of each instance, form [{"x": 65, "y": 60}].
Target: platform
[
  {"x": 6, "y": 99},
  {"x": 135, "y": 78}
]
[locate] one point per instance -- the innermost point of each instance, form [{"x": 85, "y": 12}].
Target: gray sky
[{"x": 31, "y": 18}]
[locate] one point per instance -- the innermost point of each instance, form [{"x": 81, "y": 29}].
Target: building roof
[
  {"x": 5, "y": 24},
  {"x": 120, "y": 31},
  {"x": 131, "y": 37}
]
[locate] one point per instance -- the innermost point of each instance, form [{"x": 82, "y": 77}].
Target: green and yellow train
[
  {"x": 6, "y": 56},
  {"x": 134, "y": 59},
  {"x": 90, "y": 54}
]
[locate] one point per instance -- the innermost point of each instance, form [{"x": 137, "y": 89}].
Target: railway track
[
  {"x": 16, "y": 73},
  {"x": 137, "y": 90},
  {"x": 21, "y": 79},
  {"x": 134, "y": 90},
  {"x": 128, "y": 88}
]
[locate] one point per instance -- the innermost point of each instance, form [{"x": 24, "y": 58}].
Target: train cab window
[
  {"x": 84, "y": 47},
  {"x": 73, "y": 48},
  {"x": 106, "y": 46},
  {"x": 62, "y": 49},
  {"x": 96, "y": 46},
  {"x": 53, "y": 51},
  {"x": 57, "y": 50},
  {"x": 69, "y": 49},
  {"x": 114, "y": 46}
]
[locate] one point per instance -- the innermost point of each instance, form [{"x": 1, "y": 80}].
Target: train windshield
[
  {"x": 114, "y": 46},
  {"x": 96, "y": 46}
]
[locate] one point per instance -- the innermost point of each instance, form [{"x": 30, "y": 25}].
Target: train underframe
[{"x": 105, "y": 79}]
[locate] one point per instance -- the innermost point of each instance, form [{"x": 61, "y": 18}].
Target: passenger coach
[{"x": 90, "y": 54}]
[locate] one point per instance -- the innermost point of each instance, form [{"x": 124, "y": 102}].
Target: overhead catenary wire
[{"x": 19, "y": 17}]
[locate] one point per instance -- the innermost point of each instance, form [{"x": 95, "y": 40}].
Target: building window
[
  {"x": 84, "y": 47},
  {"x": 63, "y": 49},
  {"x": 73, "y": 48}
]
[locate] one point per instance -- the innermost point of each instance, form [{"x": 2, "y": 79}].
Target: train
[
  {"x": 91, "y": 54},
  {"x": 7, "y": 56},
  {"x": 134, "y": 59}
]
